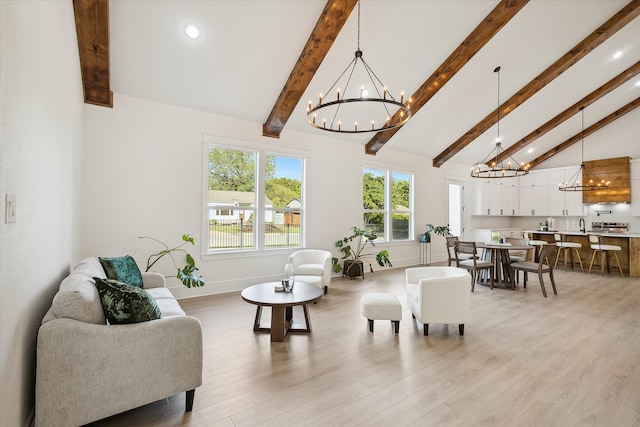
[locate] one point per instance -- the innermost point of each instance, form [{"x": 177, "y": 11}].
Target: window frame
[
  {"x": 388, "y": 173},
  {"x": 259, "y": 208}
]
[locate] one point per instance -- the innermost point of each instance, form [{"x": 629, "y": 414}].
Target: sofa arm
[
  {"x": 153, "y": 280},
  {"x": 86, "y": 372}
]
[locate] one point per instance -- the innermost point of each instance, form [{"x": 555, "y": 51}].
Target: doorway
[{"x": 455, "y": 207}]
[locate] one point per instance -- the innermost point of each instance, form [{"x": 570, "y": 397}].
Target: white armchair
[
  {"x": 439, "y": 295},
  {"x": 312, "y": 266}
]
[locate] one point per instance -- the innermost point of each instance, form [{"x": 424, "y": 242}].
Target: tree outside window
[{"x": 387, "y": 203}]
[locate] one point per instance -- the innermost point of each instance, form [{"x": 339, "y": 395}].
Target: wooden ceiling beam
[
  {"x": 92, "y": 29},
  {"x": 489, "y": 27},
  {"x": 327, "y": 28},
  {"x": 618, "y": 80},
  {"x": 595, "y": 39},
  {"x": 588, "y": 131}
]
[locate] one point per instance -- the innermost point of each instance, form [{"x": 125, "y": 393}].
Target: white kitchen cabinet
[
  {"x": 533, "y": 194},
  {"x": 496, "y": 197},
  {"x": 635, "y": 187},
  {"x": 563, "y": 203},
  {"x": 635, "y": 197}
]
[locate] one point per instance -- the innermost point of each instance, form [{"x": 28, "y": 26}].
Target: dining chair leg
[
  {"x": 553, "y": 282},
  {"x": 525, "y": 279},
  {"x": 473, "y": 280},
  {"x": 544, "y": 291}
]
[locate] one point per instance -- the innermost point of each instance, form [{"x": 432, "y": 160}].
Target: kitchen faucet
[{"x": 582, "y": 225}]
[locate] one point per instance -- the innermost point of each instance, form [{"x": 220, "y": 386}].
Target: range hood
[{"x": 618, "y": 172}]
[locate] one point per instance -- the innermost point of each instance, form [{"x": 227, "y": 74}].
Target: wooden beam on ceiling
[
  {"x": 489, "y": 27},
  {"x": 92, "y": 29},
  {"x": 588, "y": 131},
  {"x": 327, "y": 28},
  {"x": 600, "y": 35},
  {"x": 618, "y": 80}
]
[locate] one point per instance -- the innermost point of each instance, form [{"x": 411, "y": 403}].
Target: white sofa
[
  {"x": 439, "y": 295},
  {"x": 312, "y": 266},
  {"x": 87, "y": 370}
]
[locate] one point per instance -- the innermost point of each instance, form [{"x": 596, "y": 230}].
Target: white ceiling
[{"x": 248, "y": 48}]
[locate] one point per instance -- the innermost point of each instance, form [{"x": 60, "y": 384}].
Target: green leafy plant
[
  {"x": 441, "y": 230},
  {"x": 188, "y": 274},
  {"x": 354, "y": 248}
]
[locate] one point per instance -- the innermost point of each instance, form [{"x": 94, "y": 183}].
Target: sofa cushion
[
  {"x": 123, "y": 269},
  {"x": 124, "y": 303},
  {"x": 77, "y": 299}
]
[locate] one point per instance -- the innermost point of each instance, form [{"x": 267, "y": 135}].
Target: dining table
[{"x": 499, "y": 255}]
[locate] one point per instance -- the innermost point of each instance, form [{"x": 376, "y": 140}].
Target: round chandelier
[
  {"x": 590, "y": 182},
  {"x": 489, "y": 167},
  {"x": 368, "y": 108}
]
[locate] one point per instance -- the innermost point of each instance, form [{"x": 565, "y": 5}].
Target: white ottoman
[{"x": 381, "y": 306}]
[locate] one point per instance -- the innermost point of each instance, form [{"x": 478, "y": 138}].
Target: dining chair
[
  {"x": 595, "y": 242},
  {"x": 519, "y": 256},
  {"x": 451, "y": 250},
  {"x": 466, "y": 257},
  {"x": 546, "y": 256}
]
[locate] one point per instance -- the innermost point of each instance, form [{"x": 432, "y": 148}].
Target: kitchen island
[{"x": 628, "y": 242}]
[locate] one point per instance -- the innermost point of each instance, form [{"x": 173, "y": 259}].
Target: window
[
  {"x": 244, "y": 215},
  {"x": 283, "y": 204},
  {"x": 387, "y": 198}
]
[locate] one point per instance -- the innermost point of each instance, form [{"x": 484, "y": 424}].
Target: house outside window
[
  {"x": 236, "y": 220},
  {"x": 387, "y": 199}
]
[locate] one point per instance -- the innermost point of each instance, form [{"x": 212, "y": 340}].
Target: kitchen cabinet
[
  {"x": 533, "y": 194},
  {"x": 563, "y": 203},
  {"x": 496, "y": 197},
  {"x": 635, "y": 188}
]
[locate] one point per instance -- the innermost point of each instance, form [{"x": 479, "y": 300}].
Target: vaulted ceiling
[{"x": 264, "y": 60}]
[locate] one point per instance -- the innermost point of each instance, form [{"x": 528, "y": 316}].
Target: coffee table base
[{"x": 282, "y": 322}]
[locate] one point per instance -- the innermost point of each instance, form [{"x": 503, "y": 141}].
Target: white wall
[
  {"x": 41, "y": 113},
  {"x": 144, "y": 176}
]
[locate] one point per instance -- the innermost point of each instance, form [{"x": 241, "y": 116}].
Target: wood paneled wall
[{"x": 618, "y": 172}]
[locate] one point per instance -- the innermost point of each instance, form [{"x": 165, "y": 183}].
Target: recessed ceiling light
[
  {"x": 638, "y": 83},
  {"x": 192, "y": 31},
  {"x": 531, "y": 150},
  {"x": 617, "y": 55}
]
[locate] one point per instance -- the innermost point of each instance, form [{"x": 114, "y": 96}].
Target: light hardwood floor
[{"x": 566, "y": 360}]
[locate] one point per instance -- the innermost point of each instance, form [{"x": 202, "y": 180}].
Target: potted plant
[
  {"x": 188, "y": 274},
  {"x": 354, "y": 253},
  {"x": 441, "y": 230}
]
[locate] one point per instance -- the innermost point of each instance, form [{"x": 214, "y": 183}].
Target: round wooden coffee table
[{"x": 281, "y": 303}]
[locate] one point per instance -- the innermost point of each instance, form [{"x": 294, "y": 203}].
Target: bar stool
[
  {"x": 595, "y": 242},
  {"x": 566, "y": 247},
  {"x": 533, "y": 242}
]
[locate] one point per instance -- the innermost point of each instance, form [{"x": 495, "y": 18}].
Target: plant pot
[{"x": 353, "y": 269}]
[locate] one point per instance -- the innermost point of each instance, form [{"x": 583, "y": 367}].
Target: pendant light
[
  {"x": 589, "y": 181},
  {"x": 488, "y": 167},
  {"x": 366, "y": 106}
]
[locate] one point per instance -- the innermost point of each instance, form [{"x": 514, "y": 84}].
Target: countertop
[{"x": 580, "y": 233}]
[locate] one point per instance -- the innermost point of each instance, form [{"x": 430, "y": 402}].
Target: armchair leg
[
  {"x": 396, "y": 325},
  {"x": 461, "y": 329},
  {"x": 425, "y": 329},
  {"x": 326, "y": 289},
  {"x": 370, "y": 325},
  {"x": 189, "y": 402}
]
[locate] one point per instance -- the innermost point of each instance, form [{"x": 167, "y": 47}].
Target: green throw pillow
[
  {"x": 123, "y": 269},
  {"x": 123, "y": 303}
]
